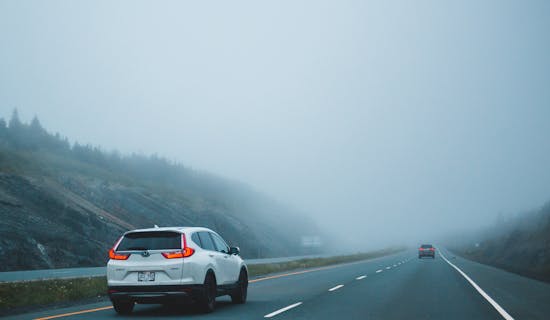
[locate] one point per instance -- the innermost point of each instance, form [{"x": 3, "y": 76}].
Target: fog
[{"x": 388, "y": 122}]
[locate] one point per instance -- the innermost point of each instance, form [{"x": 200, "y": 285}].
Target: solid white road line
[
  {"x": 500, "y": 310},
  {"x": 378, "y": 271},
  {"x": 336, "y": 288},
  {"x": 361, "y": 277},
  {"x": 274, "y": 313}
]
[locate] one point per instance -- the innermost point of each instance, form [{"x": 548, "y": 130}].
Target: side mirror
[{"x": 234, "y": 250}]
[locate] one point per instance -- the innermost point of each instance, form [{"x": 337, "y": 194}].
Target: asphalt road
[{"x": 394, "y": 287}]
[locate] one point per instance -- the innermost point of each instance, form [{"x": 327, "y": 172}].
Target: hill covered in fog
[
  {"x": 64, "y": 205},
  {"x": 520, "y": 244}
]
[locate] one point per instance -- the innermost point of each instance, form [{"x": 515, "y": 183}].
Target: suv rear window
[
  {"x": 426, "y": 246},
  {"x": 155, "y": 240}
]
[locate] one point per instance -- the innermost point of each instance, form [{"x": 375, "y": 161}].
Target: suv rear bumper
[{"x": 155, "y": 294}]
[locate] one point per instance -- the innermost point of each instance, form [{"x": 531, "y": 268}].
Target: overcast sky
[{"x": 367, "y": 115}]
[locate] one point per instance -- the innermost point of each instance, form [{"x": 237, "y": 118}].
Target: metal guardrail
[{"x": 65, "y": 273}]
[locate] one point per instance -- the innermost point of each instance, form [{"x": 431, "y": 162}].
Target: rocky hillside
[
  {"x": 64, "y": 206},
  {"x": 520, "y": 244}
]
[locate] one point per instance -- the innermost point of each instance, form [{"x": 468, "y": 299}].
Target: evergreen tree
[
  {"x": 3, "y": 128},
  {"x": 37, "y": 137},
  {"x": 16, "y": 134},
  {"x": 15, "y": 123},
  {"x": 36, "y": 126},
  {"x": 3, "y": 132}
]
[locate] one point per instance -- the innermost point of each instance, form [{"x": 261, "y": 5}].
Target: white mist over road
[{"x": 391, "y": 122}]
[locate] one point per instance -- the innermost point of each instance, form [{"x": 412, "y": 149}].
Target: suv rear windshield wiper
[{"x": 136, "y": 248}]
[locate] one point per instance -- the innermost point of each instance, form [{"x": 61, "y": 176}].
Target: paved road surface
[{"x": 399, "y": 286}]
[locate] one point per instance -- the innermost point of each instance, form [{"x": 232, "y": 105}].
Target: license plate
[{"x": 146, "y": 276}]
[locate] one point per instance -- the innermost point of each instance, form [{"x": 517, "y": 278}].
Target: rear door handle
[{"x": 211, "y": 255}]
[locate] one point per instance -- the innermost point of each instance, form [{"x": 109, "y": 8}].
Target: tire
[
  {"x": 123, "y": 307},
  {"x": 239, "y": 295},
  {"x": 207, "y": 302}
]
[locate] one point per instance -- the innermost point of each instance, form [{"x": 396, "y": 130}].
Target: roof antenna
[{"x": 156, "y": 226}]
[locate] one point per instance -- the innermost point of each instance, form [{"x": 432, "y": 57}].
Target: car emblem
[{"x": 145, "y": 254}]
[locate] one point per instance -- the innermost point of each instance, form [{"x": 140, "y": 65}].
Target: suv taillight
[
  {"x": 118, "y": 256},
  {"x": 183, "y": 253},
  {"x": 432, "y": 249}
]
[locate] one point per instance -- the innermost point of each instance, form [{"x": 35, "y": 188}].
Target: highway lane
[
  {"x": 420, "y": 289},
  {"x": 394, "y": 287}
]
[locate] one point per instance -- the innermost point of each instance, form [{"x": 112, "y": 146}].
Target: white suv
[{"x": 163, "y": 265}]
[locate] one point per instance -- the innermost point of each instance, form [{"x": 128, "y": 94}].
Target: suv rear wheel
[
  {"x": 208, "y": 299},
  {"x": 123, "y": 307},
  {"x": 239, "y": 295}
]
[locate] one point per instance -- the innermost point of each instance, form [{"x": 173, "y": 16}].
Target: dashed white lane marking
[
  {"x": 394, "y": 265},
  {"x": 500, "y": 310},
  {"x": 336, "y": 288},
  {"x": 361, "y": 277},
  {"x": 388, "y": 268},
  {"x": 274, "y": 313},
  {"x": 378, "y": 271}
]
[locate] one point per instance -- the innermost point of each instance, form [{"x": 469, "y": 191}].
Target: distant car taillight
[
  {"x": 432, "y": 249},
  {"x": 118, "y": 256},
  {"x": 183, "y": 253}
]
